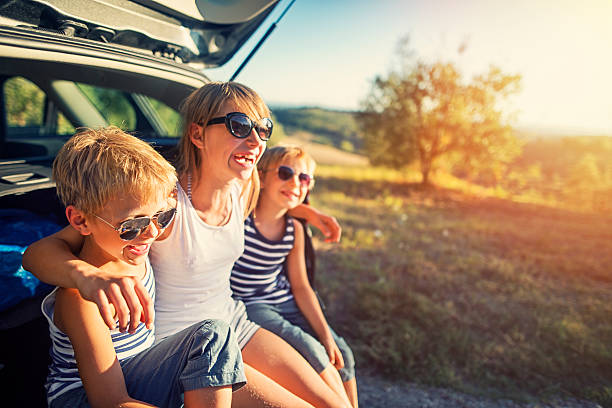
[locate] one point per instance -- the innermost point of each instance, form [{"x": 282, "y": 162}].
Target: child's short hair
[
  {"x": 98, "y": 165},
  {"x": 274, "y": 155}
]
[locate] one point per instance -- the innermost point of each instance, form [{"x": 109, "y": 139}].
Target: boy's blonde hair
[
  {"x": 205, "y": 103},
  {"x": 275, "y": 155},
  {"x": 98, "y": 165}
]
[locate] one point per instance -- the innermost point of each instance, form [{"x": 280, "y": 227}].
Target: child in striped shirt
[
  {"x": 117, "y": 191},
  {"x": 270, "y": 277}
]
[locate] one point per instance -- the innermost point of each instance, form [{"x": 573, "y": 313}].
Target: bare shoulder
[
  {"x": 297, "y": 224},
  {"x": 71, "y": 308},
  {"x": 67, "y": 298},
  {"x": 298, "y": 232}
]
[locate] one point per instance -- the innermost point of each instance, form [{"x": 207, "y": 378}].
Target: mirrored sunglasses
[
  {"x": 286, "y": 172},
  {"x": 240, "y": 125},
  {"x": 132, "y": 228}
]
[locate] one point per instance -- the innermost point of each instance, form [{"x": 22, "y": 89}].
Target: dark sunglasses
[
  {"x": 132, "y": 228},
  {"x": 286, "y": 172},
  {"x": 240, "y": 125}
]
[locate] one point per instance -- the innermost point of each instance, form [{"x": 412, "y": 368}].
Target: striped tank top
[
  {"x": 257, "y": 277},
  {"x": 63, "y": 372}
]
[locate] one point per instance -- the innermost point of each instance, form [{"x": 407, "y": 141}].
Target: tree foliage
[{"x": 425, "y": 111}]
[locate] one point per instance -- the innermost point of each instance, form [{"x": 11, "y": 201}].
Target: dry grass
[{"x": 454, "y": 288}]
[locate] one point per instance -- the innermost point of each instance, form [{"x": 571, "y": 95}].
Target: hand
[
  {"x": 335, "y": 356},
  {"x": 329, "y": 226},
  {"x": 122, "y": 297}
]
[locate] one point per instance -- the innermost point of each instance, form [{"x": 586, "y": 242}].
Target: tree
[{"x": 425, "y": 111}]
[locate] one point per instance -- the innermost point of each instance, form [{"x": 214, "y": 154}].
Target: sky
[{"x": 327, "y": 53}]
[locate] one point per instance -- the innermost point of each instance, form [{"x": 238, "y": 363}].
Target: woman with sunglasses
[
  {"x": 226, "y": 126},
  {"x": 271, "y": 278}
]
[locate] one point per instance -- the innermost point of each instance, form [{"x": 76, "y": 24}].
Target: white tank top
[{"x": 193, "y": 265}]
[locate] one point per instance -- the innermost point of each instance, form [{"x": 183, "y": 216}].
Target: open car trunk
[{"x": 66, "y": 64}]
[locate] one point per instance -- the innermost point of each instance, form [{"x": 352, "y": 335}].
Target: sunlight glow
[{"x": 327, "y": 53}]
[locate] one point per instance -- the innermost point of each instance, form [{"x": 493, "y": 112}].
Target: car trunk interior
[{"x": 28, "y": 203}]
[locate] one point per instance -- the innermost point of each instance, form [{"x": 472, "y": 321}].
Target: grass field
[{"x": 454, "y": 288}]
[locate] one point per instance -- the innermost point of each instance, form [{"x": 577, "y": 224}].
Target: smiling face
[
  {"x": 285, "y": 194},
  {"x": 226, "y": 156},
  {"x": 105, "y": 243}
]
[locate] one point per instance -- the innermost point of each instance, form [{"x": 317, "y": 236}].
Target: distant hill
[
  {"x": 330, "y": 127},
  {"x": 566, "y": 157},
  {"x": 325, "y": 153}
]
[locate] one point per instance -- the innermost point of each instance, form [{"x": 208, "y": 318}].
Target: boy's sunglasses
[
  {"x": 240, "y": 125},
  {"x": 286, "y": 172},
  {"x": 132, "y": 228}
]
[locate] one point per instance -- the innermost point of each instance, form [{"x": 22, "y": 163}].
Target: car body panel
[{"x": 202, "y": 33}]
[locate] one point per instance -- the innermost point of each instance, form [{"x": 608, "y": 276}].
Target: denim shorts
[
  {"x": 205, "y": 354},
  {"x": 243, "y": 328},
  {"x": 286, "y": 321}
]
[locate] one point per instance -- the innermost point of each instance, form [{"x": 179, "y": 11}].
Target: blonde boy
[{"x": 117, "y": 190}]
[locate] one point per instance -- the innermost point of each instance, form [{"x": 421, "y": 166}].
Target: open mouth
[
  {"x": 290, "y": 194},
  {"x": 139, "y": 249},
  {"x": 244, "y": 158}
]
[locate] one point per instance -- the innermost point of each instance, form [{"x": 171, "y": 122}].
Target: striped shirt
[
  {"x": 257, "y": 277},
  {"x": 63, "y": 372}
]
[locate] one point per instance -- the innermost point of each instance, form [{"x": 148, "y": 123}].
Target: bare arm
[
  {"x": 52, "y": 260},
  {"x": 93, "y": 349},
  {"x": 327, "y": 224},
  {"x": 306, "y": 298},
  {"x": 54, "y": 269}
]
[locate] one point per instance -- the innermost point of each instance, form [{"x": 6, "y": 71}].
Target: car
[{"x": 67, "y": 64}]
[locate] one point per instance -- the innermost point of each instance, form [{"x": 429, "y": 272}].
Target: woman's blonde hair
[
  {"x": 98, "y": 165},
  {"x": 202, "y": 105}
]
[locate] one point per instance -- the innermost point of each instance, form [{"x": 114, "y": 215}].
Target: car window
[
  {"x": 29, "y": 112},
  {"x": 113, "y": 104},
  {"x": 133, "y": 111},
  {"x": 169, "y": 117},
  {"x": 36, "y": 127}
]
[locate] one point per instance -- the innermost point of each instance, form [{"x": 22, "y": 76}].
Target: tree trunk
[
  {"x": 424, "y": 161},
  {"x": 425, "y": 168}
]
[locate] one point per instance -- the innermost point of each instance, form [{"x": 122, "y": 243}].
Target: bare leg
[
  {"x": 211, "y": 397},
  {"x": 260, "y": 391},
  {"x": 332, "y": 378},
  {"x": 351, "y": 390},
  {"x": 276, "y": 359}
]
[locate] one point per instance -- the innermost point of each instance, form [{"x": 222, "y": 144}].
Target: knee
[
  {"x": 347, "y": 372},
  {"x": 212, "y": 330},
  {"x": 216, "y": 340},
  {"x": 211, "y": 335},
  {"x": 213, "y": 326},
  {"x": 348, "y": 357}
]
